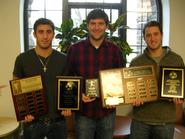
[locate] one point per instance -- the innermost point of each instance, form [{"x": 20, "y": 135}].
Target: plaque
[
  {"x": 140, "y": 84},
  {"x": 112, "y": 87},
  {"x": 92, "y": 88},
  {"x": 172, "y": 84},
  {"x": 69, "y": 88},
  {"x": 28, "y": 97},
  {"x": 125, "y": 85}
]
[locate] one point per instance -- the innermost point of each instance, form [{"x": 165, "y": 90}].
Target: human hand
[
  {"x": 137, "y": 103},
  {"x": 2, "y": 86},
  {"x": 87, "y": 99},
  {"x": 111, "y": 106},
  {"x": 66, "y": 113},
  {"x": 177, "y": 101},
  {"x": 29, "y": 118}
]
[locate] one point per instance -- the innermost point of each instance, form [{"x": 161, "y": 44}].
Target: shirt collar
[{"x": 88, "y": 43}]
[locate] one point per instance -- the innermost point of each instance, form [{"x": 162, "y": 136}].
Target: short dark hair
[
  {"x": 152, "y": 24},
  {"x": 43, "y": 21},
  {"x": 98, "y": 13}
]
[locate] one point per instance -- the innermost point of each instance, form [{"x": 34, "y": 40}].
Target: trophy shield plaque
[
  {"x": 69, "y": 88},
  {"x": 126, "y": 85},
  {"x": 92, "y": 88},
  {"x": 28, "y": 97},
  {"x": 140, "y": 84},
  {"x": 112, "y": 87},
  {"x": 172, "y": 84}
]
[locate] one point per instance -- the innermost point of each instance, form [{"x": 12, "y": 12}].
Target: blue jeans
[
  {"x": 90, "y": 128},
  {"x": 140, "y": 130},
  {"x": 39, "y": 130}
]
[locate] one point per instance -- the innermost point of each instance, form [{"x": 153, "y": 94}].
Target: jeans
[
  {"x": 90, "y": 128},
  {"x": 40, "y": 130},
  {"x": 140, "y": 130}
]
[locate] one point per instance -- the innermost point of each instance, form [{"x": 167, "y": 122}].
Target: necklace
[{"x": 44, "y": 65}]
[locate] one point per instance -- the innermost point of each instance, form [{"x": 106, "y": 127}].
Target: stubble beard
[
  {"x": 97, "y": 39},
  {"x": 45, "y": 47}
]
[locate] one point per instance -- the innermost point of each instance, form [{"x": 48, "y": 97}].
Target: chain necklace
[{"x": 44, "y": 65}]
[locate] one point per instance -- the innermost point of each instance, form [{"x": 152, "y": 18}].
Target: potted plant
[{"x": 70, "y": 34}]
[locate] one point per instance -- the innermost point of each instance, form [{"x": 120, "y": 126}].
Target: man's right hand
[
  {"x": 138, "y": 103},
  {"x": 28, "y": 118},
  {"x": 87, "y": 99},
  {"x": 66, "y": 113}
]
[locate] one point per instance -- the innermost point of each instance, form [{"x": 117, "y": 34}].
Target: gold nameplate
[
  {"x": 125, "y": 85},
  {"x": 172, "y": 84},
  {"x": 26, "y": 85},
  {"x": 92, "y": 88},
  {"x": 69, "y": 88},
  {"x": 28, "y": 97}
]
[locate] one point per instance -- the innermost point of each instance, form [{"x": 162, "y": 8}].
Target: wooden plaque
[
  {"x": 28, "y": 97},
  {"x": 140, "y": 83},
  {"x": 111, "y": 82},
  {"x": 125, "y": 85},
  {"x": 69, "y": 88},
  {"x": 172, "y": 83}
]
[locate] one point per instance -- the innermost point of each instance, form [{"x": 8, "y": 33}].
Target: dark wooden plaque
[
  {"x": 172, "y": 83},
  {"x": 125, "y": 85},
  {"x": 28, "y": 97},
  {"x": 69, "y": 88}
]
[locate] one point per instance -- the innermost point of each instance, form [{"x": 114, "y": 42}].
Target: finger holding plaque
[
  {"x": 172, "y": 83},
  {"x": 92, "y": 88},
  {"x": 111, "y": 87},
  {"x": 69, "y": 88}
]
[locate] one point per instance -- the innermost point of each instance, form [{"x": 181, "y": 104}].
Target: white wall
[
  {"x": 177, "y": 26},
  {"x": 10, "y": 46}
]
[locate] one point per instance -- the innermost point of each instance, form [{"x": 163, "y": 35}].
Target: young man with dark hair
[
  {"x": 155, "y": 120},
  {"x": 86, "y": 59},
  {"x": 49, "y": 63}
]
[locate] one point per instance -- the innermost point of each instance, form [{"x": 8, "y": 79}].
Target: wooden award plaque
[
  {"x": 69, "y": 88},
  {"x": 125, "y": 85},
  {"x": 28, "y": 97},
  {"x": 140, "y": 83},
  {"x": 172, "y": 82}
]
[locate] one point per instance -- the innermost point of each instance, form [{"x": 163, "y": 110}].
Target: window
[{"x": 138, "y": 12}]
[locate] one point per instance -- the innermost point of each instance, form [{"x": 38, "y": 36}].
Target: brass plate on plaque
[
  {"x": 172, "y": 83},
  {"x": 125, "y": 85},
  {"x": 92, "y": 88},
  {"x": 28, "y": 97},
  {"x": 69, "y": 88}
]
